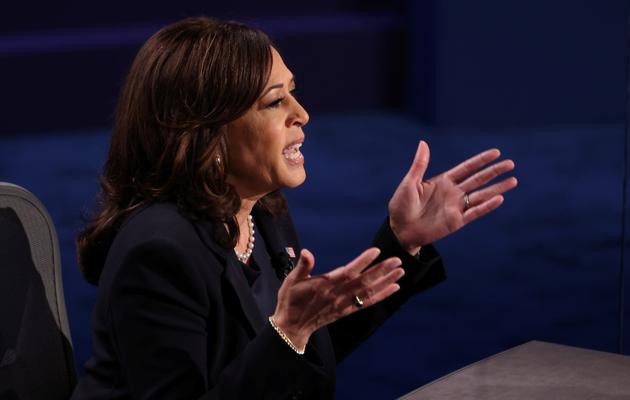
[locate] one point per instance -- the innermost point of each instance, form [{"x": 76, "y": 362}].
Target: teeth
[{"x": 292, "y": 152}]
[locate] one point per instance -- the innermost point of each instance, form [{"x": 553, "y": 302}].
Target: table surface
[{"x": 536, "y": 370}]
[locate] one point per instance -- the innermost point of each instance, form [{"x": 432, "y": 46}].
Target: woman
[{"x": 193, "y": 248}]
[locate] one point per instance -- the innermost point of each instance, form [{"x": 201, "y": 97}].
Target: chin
[{"x": 295, "y": 180}]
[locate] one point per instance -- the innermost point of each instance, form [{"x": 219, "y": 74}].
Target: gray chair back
[{"x": 36, "y": 357}]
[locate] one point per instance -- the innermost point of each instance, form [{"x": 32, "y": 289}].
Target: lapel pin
[{"x": 290, "y": 251}]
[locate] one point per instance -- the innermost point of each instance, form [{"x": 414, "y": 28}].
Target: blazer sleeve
[
  {"x": 158, "y": 309},
  {"x": 421, "y": 272}
]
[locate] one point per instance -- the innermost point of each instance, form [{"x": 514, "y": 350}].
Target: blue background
[{"x": 543, "y": 81}]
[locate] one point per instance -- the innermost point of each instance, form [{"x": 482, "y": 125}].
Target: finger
[
  {"x": 368, "y": 292},
  {"x": 378, "y": 271},
  {"x": 486, "y": 175},
  {"x": 304, "y": 267},
  {"x": 354, "y": 267},
  {"x": 380, "y": 295},
  {"x": 368, "y": 277},
  {"x": 472, "y": 165},
  {"x": 486, "y": 194},
  {"x": 380, "y": 289},
  {"x": 482, "y": 209},
  {"x": 420, "y": 162},
  {"x": 383, "y": 294},
  {"x": 351, "y": 306}
]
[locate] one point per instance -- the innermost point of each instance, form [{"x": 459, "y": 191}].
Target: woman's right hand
[{"x": 307, "y": 303}]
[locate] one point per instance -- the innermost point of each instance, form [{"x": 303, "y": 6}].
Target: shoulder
[
  {"x": 158, "y": 220},
  {"x": 156, "y": 237},
  {"x": 161, "y": 226}
]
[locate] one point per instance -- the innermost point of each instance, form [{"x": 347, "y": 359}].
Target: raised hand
[
  {"x": 307, "y": 303},
  {"x": 422, "y": 211}
]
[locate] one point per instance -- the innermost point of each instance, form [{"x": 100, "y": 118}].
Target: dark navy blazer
[{"x": 176, "y": 318}]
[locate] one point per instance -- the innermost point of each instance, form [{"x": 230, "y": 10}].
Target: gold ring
[{"x": 357, "y": 301}]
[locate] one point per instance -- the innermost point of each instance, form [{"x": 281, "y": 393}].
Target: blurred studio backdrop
[{"x": 542, "y": 80}]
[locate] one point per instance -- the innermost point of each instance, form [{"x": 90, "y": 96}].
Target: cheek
[
  {"x": 269, "y": 143},
  {"x": 259, "y": 150},
  {"x": 255, "y": 149}
]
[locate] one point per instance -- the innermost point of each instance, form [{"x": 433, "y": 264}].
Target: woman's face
[{"x": 264, "y": 144}]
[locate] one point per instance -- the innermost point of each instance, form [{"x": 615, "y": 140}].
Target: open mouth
[{"x": 292, "y": 153}]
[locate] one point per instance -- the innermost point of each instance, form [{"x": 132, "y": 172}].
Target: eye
[
  {"x": 276, "y": 103},
  {"x": 294, "y": 93}
]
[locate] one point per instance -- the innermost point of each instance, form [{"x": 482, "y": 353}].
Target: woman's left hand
[{"x": 423, "y": 211}]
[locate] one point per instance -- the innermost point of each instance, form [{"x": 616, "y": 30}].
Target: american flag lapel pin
[{"x": 290, "y": 251}]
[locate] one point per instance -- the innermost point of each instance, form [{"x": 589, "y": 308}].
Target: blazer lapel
[
  {"x": 278, "y": 244},
  {"x": 280, "y": 236},
  {"x": 264, "y": 223},
  {"x": 234, "y": 275}
]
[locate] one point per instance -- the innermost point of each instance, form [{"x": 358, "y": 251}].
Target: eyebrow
[{"x": 277, "y": 86}]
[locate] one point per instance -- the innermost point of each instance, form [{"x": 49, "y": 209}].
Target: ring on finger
[
  {"x": 357, "y": 301},
  {"x": 466, "y": 201}
]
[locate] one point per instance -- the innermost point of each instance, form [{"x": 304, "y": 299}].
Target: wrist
[
  {"x": 409, "y": 247},
  {"x": 294, "y": 338}
]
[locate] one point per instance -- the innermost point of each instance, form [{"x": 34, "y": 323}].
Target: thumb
[
  {"x": 304, "y": 266},
  {"x": 420, "y": 162}
]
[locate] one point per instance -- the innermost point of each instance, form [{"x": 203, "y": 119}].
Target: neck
[
  {"x": 248, "y": 200},
  {"x": 246, "y": 209},
  {"x": 243, "y": 219}
]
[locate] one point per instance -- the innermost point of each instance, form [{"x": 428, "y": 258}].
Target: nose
[{"x": 299, "y": 116}]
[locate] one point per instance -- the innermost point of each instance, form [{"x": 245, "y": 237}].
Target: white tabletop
[{"x": 535, "y": 370}]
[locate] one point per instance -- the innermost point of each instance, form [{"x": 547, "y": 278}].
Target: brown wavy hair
[{"x": 187, "y": 82}]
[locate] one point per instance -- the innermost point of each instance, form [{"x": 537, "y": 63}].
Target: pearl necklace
[{"x": 243, "y": 257}]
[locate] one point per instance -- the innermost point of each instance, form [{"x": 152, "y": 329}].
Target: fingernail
[{"x": 395, "y": 263}]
